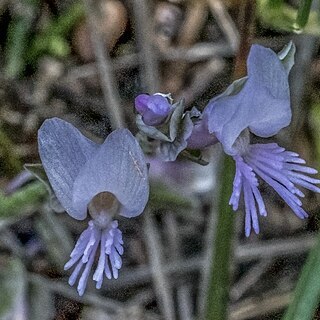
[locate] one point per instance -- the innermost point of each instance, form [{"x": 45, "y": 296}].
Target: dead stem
[{"x": 107, "y": 77}]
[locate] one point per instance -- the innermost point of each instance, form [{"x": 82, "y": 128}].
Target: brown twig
[
  {"x": 267, "y": 249},
  {"x": 249, "y": 279},
  {"x": 162, "y": 286},
  {"x": 257, "y": 307},
  {"x": 225, "y": 22},
  {"x": 147, "y": 53},
  {"x": 247, "y": 9},
  {"x": 109, "y": 87},
  {"x": 195, "y": 17}
]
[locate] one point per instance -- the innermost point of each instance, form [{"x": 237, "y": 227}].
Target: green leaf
[
  {"x": 13, "y": 287},
  {"x": 314, "y": 119},
  {"x": 53, "y": 39},
  {"x": 18, "y": 39},
  {"x": 284, "y": 17},
  {"x": 19, "y": 202},
  {"x": 58, "y": 47},
  {"x": 303, "y": 14},
  {"x": 307, "y": 292}
]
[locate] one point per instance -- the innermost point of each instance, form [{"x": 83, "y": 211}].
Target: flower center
[
  {"x": 242, "y": 143},
  {"x": 102, "y": 208}
]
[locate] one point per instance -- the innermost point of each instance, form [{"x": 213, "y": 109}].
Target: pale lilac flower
[
  {"x": 282, "y": 170},
  {"x": 154, "y": 109},
  {"x": 105, "y": 180},
  {"x": 260, "y": 103}
]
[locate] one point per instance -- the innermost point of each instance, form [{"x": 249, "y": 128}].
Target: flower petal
[
  {"x": 272, "y": 102},
  {"x": 64, "y": 151},
  {"x": 263, "y": 104},
  {"x": 118, "y": 167},
  {"x": 200, "y": 137}
]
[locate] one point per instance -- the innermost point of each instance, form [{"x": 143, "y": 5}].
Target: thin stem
[
  {"x": 109, "y": 87},
  {"x": 210, "y": 235},
  {"x": 307, "y": 292},
  {"x": 107, "y": 304},
  {"x": 161, "y": 283},
  {"x": 225, "y": 22},
  {"x": 148, "y": 55},
  {"x": 246, "y": 21},
  {"x": 249, "y": 279},
  {"x": 218, "y": 295}
]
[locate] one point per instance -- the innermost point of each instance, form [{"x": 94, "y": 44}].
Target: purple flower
[
  {"x": 260, "y": 103},
  {"x": 154, "y": 109},
  {"x": 281, "y": 169},
  {"x": 201, "y": 137},
  {"x": 104, "y": 180}
]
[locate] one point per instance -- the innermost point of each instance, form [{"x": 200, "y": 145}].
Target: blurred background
[{"x": 84, "y": 60}]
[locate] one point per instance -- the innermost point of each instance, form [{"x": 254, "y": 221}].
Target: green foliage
[
  {"x": 281, "y": 16},
  {"x": 21, "y": 49},
  {"x": 53, "y": 40},
  {"x": 11, "y": 162},
  {"x": 303, "y": 14},
  {"x": 18, "y": 36},
  {"x": 218, "y": 294},
  {"x": 314, "y": 119},
  {"x": 307, "y": 292},
  {"x": 19, "y": 202}
]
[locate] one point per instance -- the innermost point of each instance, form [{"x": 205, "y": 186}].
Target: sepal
[{"x": 286, "y": 55}]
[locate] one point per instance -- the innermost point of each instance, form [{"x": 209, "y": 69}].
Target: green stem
[
  {"x": 307, "y": 292},
  {"x": 303, "y": 14},
  {"x": 218, "y": 295}
]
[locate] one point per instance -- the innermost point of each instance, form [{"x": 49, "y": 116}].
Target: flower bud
[{"x": 154, "y": 109}]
